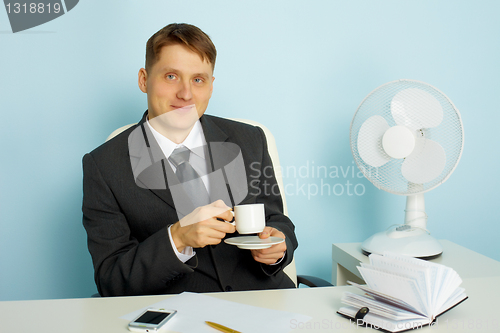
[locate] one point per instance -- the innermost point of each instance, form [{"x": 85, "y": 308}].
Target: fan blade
[
  {"x": 369, "y": 141},
  {"x": 416, "y": 109},
  {"x": 425, "y": 163}
]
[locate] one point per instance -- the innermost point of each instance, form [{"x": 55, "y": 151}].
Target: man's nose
[{"x": 185, "y": 91}]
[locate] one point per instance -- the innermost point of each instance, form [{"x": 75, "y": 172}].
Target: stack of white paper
[{"x": 194, "y": 309}]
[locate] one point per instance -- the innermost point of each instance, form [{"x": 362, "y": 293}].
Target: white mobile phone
[{"x": 151, "y": 320}]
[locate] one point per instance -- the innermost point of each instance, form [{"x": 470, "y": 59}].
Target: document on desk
[{"x": 194, "y": 309}]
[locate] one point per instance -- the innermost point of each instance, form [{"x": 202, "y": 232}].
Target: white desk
[
  {"x": 467, "y": 263},
  {"x": 95, "y": 315}
]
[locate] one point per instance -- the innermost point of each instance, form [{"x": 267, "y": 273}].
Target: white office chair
[
  {"x": 273, "y": 152},
  {"x": 290, "y": 270},
  {"x": 119, "y": 130}
]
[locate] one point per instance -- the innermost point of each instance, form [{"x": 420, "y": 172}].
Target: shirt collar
[{"x": 193, "y": 141}]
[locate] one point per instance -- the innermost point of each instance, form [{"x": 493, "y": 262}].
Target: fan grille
[{"x": 449, "y": 134}]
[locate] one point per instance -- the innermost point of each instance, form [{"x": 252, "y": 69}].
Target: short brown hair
[{"x": 184, "y": 34}]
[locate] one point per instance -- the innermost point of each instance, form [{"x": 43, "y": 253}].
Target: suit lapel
[
  {"x": 150, "y": 167},
  {"x": 212, "y": 132},
  {"x": 226, "y": 156}
]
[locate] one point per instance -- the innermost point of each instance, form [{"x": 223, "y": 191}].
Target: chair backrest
[
  {"x": 118, "y": 131},
  {"x": 289, "y": 270}
]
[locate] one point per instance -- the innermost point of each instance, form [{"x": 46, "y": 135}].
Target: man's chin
[{"x": 177, "y": 121}]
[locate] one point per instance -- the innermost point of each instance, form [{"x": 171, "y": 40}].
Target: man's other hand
[{"x": 272, "y": 254}]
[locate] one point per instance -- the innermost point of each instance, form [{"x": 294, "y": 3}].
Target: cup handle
[{"x": 233, "y": 222}]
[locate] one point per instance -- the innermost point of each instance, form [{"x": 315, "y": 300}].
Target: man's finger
[
  {"x": 268, "y": 259},
  {"x": 266, "y": 233},
  {"x": 276, "y": 255},
  {"x": 221, "y": 226},
  {"x": 205, "y": 212},
  {"x": 226, "y": 216},
  {"x": 220, "y": 203},
  {"x": 278, "y": 248}
]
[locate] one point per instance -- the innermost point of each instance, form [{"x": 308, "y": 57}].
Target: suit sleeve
[
  {"x": 269, "y": 194},
  {"x": 122, "y": 264}
]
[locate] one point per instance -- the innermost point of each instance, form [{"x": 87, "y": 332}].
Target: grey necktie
[{"x": 191, "y": 181}]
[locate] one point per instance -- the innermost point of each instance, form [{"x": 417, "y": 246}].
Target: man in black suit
[{"x": 140, "y": 241}]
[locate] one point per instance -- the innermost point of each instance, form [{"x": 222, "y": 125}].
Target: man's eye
[
  {"x": 198, "y": 80},
  {"x": 170, "y": 76}
]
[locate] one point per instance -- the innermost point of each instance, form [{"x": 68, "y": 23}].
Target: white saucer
[{"x": 253, "y": 242}]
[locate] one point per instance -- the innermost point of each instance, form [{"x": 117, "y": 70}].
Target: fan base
[{"x": 411, "y": 242}]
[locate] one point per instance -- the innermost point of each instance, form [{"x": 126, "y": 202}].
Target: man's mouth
[{"x": 185, "y": 108}]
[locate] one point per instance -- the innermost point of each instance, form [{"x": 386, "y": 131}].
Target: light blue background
[{"x": 301, "y": 68}]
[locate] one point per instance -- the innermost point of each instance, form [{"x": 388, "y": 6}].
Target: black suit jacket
[{"x": 127, "y": 225}]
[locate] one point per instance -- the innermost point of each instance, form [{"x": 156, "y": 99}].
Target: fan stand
[{"x": 411, "y": 239}]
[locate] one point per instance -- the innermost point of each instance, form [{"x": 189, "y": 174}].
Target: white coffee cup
[{"x": 249, "y": 219}]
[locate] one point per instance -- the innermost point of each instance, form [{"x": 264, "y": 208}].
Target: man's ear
[
  {"x": 142, "y": 80},
  {"x": 212, "y": 87}
]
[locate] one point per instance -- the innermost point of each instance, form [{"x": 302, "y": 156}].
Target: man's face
[{"x": 179, "y": 86}]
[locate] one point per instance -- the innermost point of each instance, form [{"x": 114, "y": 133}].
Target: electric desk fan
[{"x": 407, "y": 138}]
